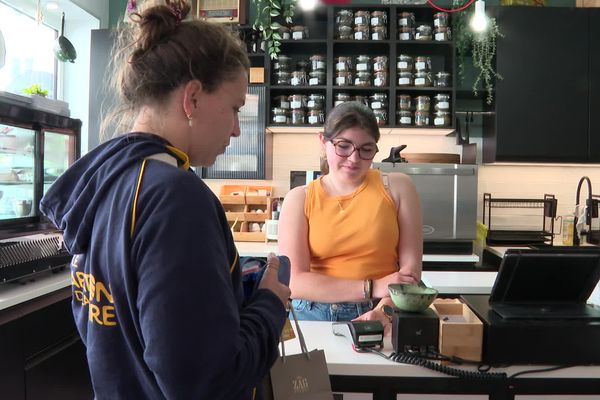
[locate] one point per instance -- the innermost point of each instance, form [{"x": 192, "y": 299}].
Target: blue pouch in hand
[{"x": 284, "y": 275}]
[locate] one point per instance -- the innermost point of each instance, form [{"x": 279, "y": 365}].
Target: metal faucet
[{"x": 589, "y": 204}]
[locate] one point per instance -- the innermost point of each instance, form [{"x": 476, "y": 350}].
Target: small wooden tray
[{"x": 461, "y": 332}]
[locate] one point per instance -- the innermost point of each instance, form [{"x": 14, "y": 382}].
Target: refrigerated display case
[{"x": 36, "y": 147}]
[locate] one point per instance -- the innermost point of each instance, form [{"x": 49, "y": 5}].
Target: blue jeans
[{"x": 315, "y": 311}]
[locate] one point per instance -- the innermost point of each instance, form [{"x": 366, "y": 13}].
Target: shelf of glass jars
[{"x": 411, "y": 130}]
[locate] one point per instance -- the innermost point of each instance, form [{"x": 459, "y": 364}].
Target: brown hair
[
  {"x": 349, "y": 115},
  {"x": 160, "y": 49},
  {"x": 352, "y": 114}
]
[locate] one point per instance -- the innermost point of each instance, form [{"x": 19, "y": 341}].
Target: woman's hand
[
  {"x": 377, "y": 314},
  {"x": 380, "y": 286},
  {"x": 270, "y": 280}
]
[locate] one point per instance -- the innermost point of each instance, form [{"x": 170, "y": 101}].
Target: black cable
[
  {"x": 405, "y": 358},
  {"x": 532, "y": 371}
]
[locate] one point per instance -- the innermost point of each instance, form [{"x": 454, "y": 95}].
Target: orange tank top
[{"x": 354, "y": 236}]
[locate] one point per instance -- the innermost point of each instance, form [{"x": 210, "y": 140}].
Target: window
[{"x": 29, "y": 52}]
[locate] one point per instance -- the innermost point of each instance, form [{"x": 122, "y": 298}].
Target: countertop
[
  {"x": 261, "y": 249},
  {"x": 342, "y": 360}
]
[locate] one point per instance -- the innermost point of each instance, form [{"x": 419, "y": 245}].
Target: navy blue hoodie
[{"x": 161, "y": 312}]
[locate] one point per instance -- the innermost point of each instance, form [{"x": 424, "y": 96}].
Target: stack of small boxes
[{"x": 247, "y": 208}]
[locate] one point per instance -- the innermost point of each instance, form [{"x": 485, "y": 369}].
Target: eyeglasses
[{"x": 345, "y": 148}]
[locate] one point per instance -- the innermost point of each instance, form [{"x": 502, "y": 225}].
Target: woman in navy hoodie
[{"x": 157, "y": 294}]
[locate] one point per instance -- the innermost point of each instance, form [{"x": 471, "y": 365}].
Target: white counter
[
  {"x": 342, "y": 360},
  {"x": 13, "y": 293},
  {"x": 261, "y": 249}
]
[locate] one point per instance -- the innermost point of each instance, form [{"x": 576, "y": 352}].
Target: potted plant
[
  {"x": 481, "y": 46},
  {"x": 266, "y": 24},
  {"x": 35, "y": 90}
]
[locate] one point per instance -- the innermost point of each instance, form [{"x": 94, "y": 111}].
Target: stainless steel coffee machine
[{"x": 448, "y": 195}]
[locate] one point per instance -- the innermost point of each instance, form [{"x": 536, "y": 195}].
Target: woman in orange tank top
[{"x": 350, "y": 233}]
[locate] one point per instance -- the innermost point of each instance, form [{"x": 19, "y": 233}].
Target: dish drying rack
[{"x": 507, "y": 237}]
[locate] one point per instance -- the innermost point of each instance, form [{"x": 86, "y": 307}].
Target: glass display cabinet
[{"x": 36, "y": 147}]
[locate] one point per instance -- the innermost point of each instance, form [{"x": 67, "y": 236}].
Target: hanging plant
[
  {"x": 481, "y": 46},
  {"x": 267, "y": 14}
]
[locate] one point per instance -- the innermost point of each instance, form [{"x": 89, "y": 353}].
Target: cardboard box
[
  {"x": 461, "y": 332},
  {"x": 257, "y": 75}
]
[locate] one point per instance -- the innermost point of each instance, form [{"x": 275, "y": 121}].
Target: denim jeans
[{"x": 315, "y": 311}]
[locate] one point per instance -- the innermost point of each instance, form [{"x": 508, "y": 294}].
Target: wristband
[{"x": 368, "y": 289}]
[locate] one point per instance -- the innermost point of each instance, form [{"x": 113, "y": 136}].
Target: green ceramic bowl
[{"x": 412, "y": 298}]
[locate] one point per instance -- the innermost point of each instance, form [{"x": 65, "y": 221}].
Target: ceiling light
[
  {"x": 479, "y": 21},
  {"x": 307, "y": 5}
]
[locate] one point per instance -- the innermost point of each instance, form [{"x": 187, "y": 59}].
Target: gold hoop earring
[{"x": 189, "y": 117}]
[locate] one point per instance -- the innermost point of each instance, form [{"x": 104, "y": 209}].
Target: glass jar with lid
[
  {"x": 317, "y": 78},
  {"x": 422, "y": 63},
  {"x": 282, "y": 77},
  {"x": 282, "y": 102},
  {"x": 404, "y": 117},
  {"x": 378, "y": 19},
  {"x": 406, "y": 19},
  {"x": 441, "y": 118},
  {"x": 298, "y": 116},
  {"x": 344, "y": 17},
  {"x": 345, "y": 32},
  {"x": 423, "y": 78},
  {"x": 421, "y": 118},
  {"x": 284, "y": 31},
  {"x": 280, "y": 116},
  {"x": 378, "y": 101},
  {"x": 440, "y": 19},
  {"x": 362, "y": 17},
  {"x": 361, "y": 32},
  {"x": 283, "y": 63},
  {"x": 316, "y": 117},
  {"x": 315, "y": 101},
  {"x": 441, "y": 102},
  {"x": 297, "y": 101},
  {"x": 317, "y": 62},
  {"x": 343, "y": 63},
  {"x": 404, "y": 102},
  {"x": 343, "y": 78},
  {"x": 404, "y": 63},
  {"x": 421, "y": 103},
  {"x": 379, "y": 33},
  {"x": 362, "y": 79},
  {"x": 381, "y": 117},
  {"x": 405, "y": 79},
  {"x": 299, "y": 32},
  {"x": 442, "y": 33},
  {"x": 406, "y": 33},
  {"x": 423, "y": 32},
  {"x": 380, "y": 79},
  {"x": 362, "y": 99},
  {"x": 442, "y": 79},
  {"x": 362, "y": 63},
  {"x": 380, "y": 64},
  {"x": 298, "y": 78},
  {"x": 302, "y": 65},
  {"x": 340, "y": 98}
]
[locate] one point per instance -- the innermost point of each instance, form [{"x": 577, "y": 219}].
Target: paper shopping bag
[{"x": 301, "y": 376}]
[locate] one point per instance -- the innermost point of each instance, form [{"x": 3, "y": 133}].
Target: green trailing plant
[
  {"x": 480, "y": 46},
  {"x": 35, "y": 89},
  {"x": 268, "y": 15}
]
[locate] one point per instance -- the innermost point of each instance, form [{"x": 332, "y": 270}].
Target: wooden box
[
  {"x": 461, "y": 332},
  {"x": 257, "y": 75},
  {"x": 232, "y": 194},
  {"x": 258, "y": 194}
]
